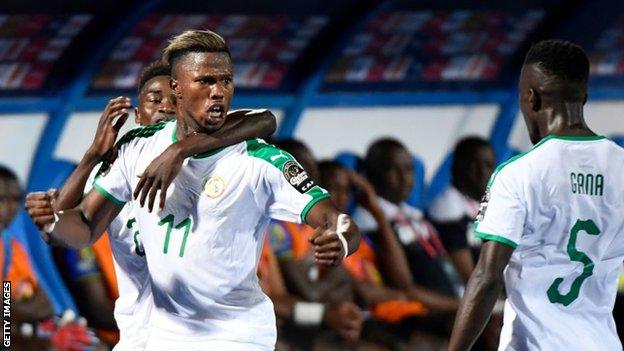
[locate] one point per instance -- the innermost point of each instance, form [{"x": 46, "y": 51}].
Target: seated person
[
  {"x": 454, "y": 211},
  {"x": 392, "y": 296},
  {"x": 343, "y": 318},
  {"x": 326, "y": 288},
  {"x": 389, "y": 167},
  {"x": 32, "y": 325}
]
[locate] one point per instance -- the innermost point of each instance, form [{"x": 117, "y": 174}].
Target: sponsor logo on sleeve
[
  {"x": 297, "y": 176},
  {"x": 485, "y": 200}
]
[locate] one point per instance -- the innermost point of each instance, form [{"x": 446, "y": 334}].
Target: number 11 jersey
[
  {"x": 560, "y": 206},
  {"x": 203, "y": 249}
]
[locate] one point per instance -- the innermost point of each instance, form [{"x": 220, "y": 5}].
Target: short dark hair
[
  {"x": 154, "y": 69},
  {"x": 463, "y": 155},
  {"x": 562, "y": 59},
  {"x": 327, "y": 169},
  {"x": 194, "y": 41},
  {"x": 7, "y": 173},
  {"x": 375, "y": 159}
]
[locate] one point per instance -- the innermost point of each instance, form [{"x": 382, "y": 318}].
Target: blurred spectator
[
  {"x": 389, "y": 167},
  {"x": 392, "y": 297},
  {"x": 329, "y": 289},
  {"x": 33, "y": 326},
  {"x": 454, "y": 211}
]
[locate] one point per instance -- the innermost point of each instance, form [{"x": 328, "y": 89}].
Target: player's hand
[
  {"x": 108, "y": 127},
  {"x": 328, "y": 248},
  {"x": 40, "y": 209},
  {"x": 345, "y": 319},
  {"x": 158, "y": 176}
]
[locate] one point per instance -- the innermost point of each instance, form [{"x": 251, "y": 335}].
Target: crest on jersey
[
  {"x": 297, "y": 176},
  {"x": 214, "y": 187},
  {"x": 485, "y": 200}
]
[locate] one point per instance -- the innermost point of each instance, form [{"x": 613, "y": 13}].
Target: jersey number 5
[
  {"x": 554, "y": 295},
  {"x": 186, "y": 224}
]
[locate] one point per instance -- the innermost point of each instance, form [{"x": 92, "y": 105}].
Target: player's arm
[
  {"x": 335, "y": 236},
  {"x": 101, "y": 148},
  {"x": 81, "y": 226},
  {"x": 239, "y": 126},
  {"x": 392, "y": 259},
  {"x": 484, "y": 288}
]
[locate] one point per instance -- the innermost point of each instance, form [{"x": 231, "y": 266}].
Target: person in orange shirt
[{"x": 30, "y": 305}]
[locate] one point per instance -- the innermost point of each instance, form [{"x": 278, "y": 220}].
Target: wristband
[
  {"x": 49, "y": 228},
  {"x": 342, "y": 225},
  {"x": 308, "y": 313}
]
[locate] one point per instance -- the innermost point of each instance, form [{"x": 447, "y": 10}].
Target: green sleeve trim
[
  {"x": 577, "y": 137},
  {"x": 108, "y": 195},
  {"x": 268, "y": 152},
  {"x": 497, "y": 238},
  {"x": 314, "y": 201}
]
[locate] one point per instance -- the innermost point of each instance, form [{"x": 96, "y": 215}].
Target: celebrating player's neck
[
  {"x": 188, "y": 126},
  {"x": 565, "y": 118}
]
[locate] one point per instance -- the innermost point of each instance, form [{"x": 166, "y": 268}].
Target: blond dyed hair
[{"x": 193, "y": 41}]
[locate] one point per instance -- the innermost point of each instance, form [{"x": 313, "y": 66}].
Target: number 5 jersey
[{"x": 560, "y": 206}]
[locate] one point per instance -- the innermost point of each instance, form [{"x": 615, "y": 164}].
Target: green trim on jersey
[
  {"x": 577, "y": 137},
  {"x": 174, "y": 139},
  {"x": 142, "y": 132},
  {"x": 278, "y": 158},
  {"x": 108, "y": 195},
  {"x": 268, "y": 152},
  {"x": 548, "y": 137},
  {"x": 319, "y": 194},
  {"x": 497, "y": 238}
]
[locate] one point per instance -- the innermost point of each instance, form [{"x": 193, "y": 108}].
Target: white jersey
[
  {"x": 133, "y": 306},
  {"x": 561, "y": 206},
  {"x": 203, "y": 248}
]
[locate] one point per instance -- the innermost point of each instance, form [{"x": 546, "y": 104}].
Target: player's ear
[
  {"x": 173, "y": 83},
  {"x": 535, "y": 101},
  {"x": 137, "y": 119}
]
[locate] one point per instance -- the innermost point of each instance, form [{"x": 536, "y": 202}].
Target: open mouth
[{"x": 216, "y": 111}]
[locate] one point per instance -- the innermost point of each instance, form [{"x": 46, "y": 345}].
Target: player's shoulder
[
  {"x": 271, "y": 154},
  {"x": 448, "y": 206},
  {"x": 143, "y": 134}
]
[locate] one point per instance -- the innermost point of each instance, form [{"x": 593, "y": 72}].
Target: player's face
[
  {"x": 482, "y": 168},
  {"x": 526, "y": 100},
  {"x": 339, "y": 188},
  {"x": 156, "y": 102},
  {"x": 204, "y": 88},
  {"x": 398, "y": 177},
  {"x": 10, "y": 197}
]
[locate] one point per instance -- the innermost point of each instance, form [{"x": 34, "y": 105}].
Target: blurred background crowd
[{"x": 402, "y": 109}]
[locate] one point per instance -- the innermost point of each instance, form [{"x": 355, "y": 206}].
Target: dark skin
[
  {"x": 343, "y": 317},
  {"x": 37, "y": 307},
  {"x": 155, "y": 105},
  {"x": 203, "y": 89},
  {"x": 397, "y": 179},
  {"x": 549, "y": 106},
  {"x": 478, "y": 174},
  {"x": 392, "y": 259}
]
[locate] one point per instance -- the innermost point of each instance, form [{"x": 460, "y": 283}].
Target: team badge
[
  {"x": 485, "y": 200},
  {"x": 214, "y": 187},
  {"x": 297, "y": 176}
]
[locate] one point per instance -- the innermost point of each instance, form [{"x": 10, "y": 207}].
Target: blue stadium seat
[
  {"x": 350, "y": 160},
  {"x": 417, "y": 197},
  {"x": 618, "y": 139},
  {"x": 508, "y": 153}
]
